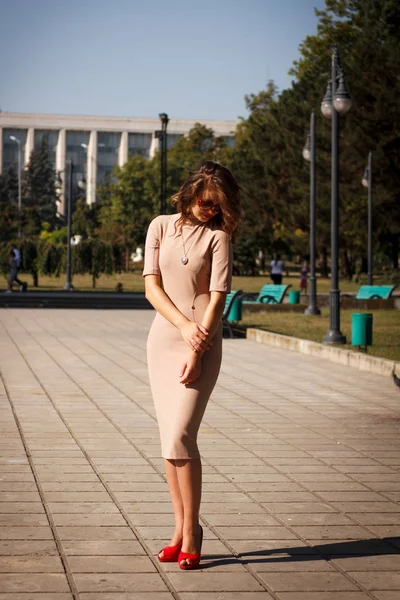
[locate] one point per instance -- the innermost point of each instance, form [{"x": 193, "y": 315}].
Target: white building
[{"x": 94, "y": 144}]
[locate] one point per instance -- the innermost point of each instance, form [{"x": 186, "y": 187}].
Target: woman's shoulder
[
  {"x": 161, "y": 221},
  {"x": 218, "y": 237}
]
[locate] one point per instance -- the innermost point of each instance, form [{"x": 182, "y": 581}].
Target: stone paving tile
[
  {"x": 126, "y": 596},
  {"x": 89, "y": 520},
  {"x": 31, "y": 564},
  {"x": 213, "y": 582},
  {"x": 103, "y": 548},
  {"x": 33, "y": 582},
  {"x": 111, "y": 564},
  {"x": 344, "y": 532},
  {"x": 255, "y": 533},
  {"x": 285, "y": 460},
  {"x": 369, "y": 519},
  {"x": 324, "y": 596},
  {"x": 388, "y": 562},
  {"x": 328, "y": 519},
  {"x": 262, "y": 595},
  {"x": 120, "y": 582},
  {"x": 308, "y": 582},
  {"x": 35, "y": 596},
  {"x": 95, "y": 533},
  {"x": 19, "y": 520},
  {"x": 82, "y": 507},
  {"x": 384, "y": 580},
  {"x": 26, "y": 533},
  {"x": 21, "y": 507},
  {"x": 22, "y": 547},
  {"x": 279, "y": 508}
]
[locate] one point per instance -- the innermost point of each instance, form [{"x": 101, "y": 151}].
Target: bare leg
[
  {"x": 189, "y": 476},
  {"x": 173, "y": 485}
]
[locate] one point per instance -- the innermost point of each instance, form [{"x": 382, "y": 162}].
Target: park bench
[
  {"x": 270, "y": 294},
  {"x": 230, "y": 299},
  {"x": 371, "y": 292}
]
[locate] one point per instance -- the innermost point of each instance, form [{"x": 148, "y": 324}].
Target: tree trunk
[
  {"x": 126, "y": 259},
  {"x": 395, "y": 251},
  {"x": 35, "y": 276},
  {"x": 347, "y": 267},
  {"x": 93, "y": 281},
  {"x": 324, "y": 263},
  {"x": 364, "y": 264}
]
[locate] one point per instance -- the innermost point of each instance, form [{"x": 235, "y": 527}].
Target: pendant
[{"x": 184, "y": 260}]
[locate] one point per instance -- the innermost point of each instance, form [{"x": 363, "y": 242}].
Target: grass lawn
[
  {"x": 386, "y": 328},
  {"x": 133, "y": 282}
]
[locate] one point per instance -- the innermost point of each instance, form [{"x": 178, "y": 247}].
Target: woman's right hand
[{"x": 195, "y": 335}]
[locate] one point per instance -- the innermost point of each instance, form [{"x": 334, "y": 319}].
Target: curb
[{"x": 357, "y": 360}]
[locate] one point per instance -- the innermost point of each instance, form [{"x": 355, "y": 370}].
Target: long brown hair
[{"x": 213, "y": 177}]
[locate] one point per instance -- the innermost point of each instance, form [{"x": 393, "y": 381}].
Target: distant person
[
  {"x": 277, "y": 267},
  {"x": 304, "y": 277},
  {"x": 261, "y": 260},
  {"x": 17, "y": 255},
  {"x": 15, "y": 259}
]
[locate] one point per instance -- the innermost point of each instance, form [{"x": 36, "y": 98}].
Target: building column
[
  {"x": 154, "y": 146},
  {"x": 91, "y": 168},
  {"x": 29, "y": 145},
  {"x": 123, "y": 149},
  {"x": 61, "y": 152},
  {"x": 1, "y": 150}
]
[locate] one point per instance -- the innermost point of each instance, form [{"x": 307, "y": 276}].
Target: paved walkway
[{"x": 301, "y": 496}]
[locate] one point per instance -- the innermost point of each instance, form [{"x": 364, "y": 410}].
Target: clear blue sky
[{"x": 189, "y": 58}]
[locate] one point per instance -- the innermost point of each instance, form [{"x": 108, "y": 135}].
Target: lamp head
[
  {"x": 342, "y": 100},
  {"x": 307, "y": 149},
  {"x": 326, "y": 104},
  {"x": 365, "y": 179},
  {"x": 164, "y": 118}
]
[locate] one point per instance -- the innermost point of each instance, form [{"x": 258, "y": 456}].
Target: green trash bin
[
  {"x": 294, "y": 297},
  {"x": 361, "y": 329},
  {"x": 235, "y": 314}
]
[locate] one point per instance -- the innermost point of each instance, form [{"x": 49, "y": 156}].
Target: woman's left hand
[{"x": 190, "y": 370}]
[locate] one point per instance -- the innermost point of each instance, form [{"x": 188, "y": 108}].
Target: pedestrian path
[{"x": 301, "y": 461}]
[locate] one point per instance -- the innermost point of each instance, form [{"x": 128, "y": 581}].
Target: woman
[
  {"x": 277, "y": 267},
  {"x": 192, "y": 252}
]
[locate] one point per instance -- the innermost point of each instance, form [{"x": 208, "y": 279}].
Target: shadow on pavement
[{"x": 351, "y": 549}]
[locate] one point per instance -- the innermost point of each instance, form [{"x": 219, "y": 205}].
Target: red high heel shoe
[
  {"x": 194, "y": 558},
  {"x": 171, "y": 553}
]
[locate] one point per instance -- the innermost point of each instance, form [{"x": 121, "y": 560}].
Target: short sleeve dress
[{"x": 180, "y": 408}]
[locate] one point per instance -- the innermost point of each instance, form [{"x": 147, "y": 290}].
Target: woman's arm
[
  {"x": 191, "y": 368},
  {"x": 213, "y": 314},
  {"x": 194, "y": 334}
]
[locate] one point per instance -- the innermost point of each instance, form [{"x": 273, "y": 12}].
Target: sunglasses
[{"x": 209, "y": 206}]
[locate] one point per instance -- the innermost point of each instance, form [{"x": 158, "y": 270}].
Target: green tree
[
  {"x": 8, "y": 204},
  {"x": 126, "y": 206},
  {"x": 85, "y": 219},
  {"x": 368, "y": 35},
  {"x": 268, "y": 154},
  {"x": 39, "y": 190}
]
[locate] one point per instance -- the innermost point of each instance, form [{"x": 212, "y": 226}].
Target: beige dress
[{"x": 180, "y": 408}]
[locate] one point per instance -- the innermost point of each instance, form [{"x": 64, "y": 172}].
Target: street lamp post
[
  {"x": 68, "y": 284},
  {"x": 309, "y": 154},
  {"x": 162, "y": 135},
  {"x": 336, "y": 101},
  {"x": 367, "y": 182},
  {"x": 17, "y": 141}
]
